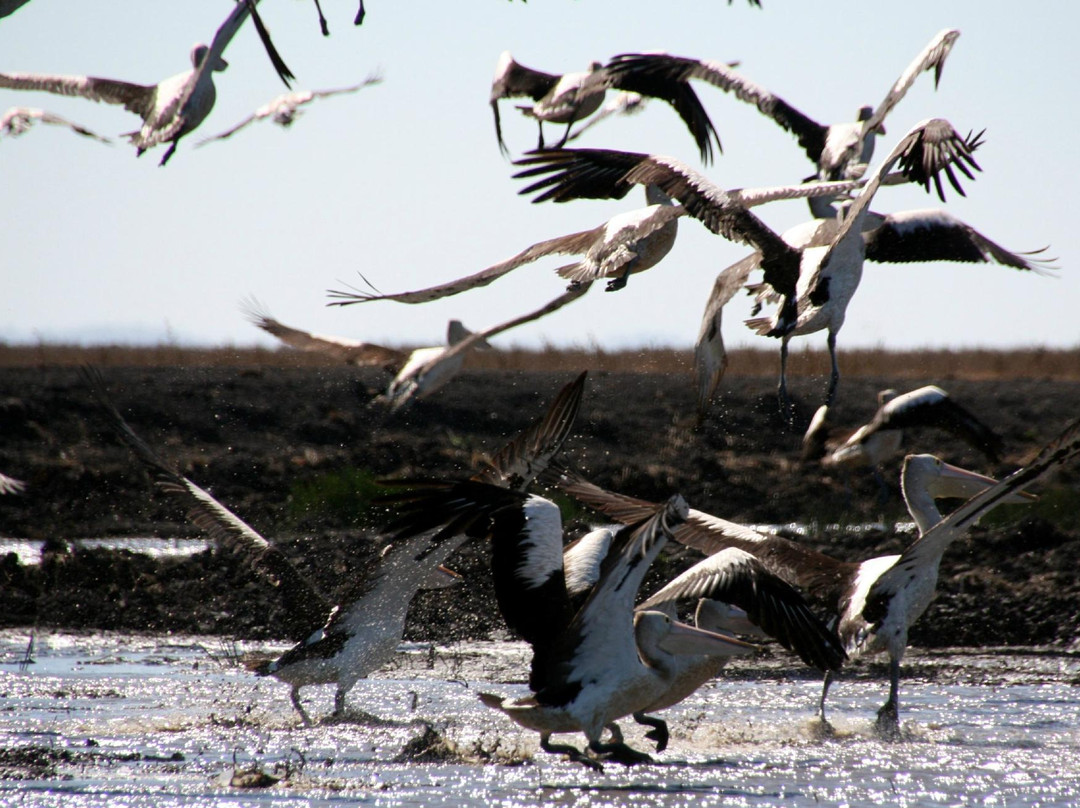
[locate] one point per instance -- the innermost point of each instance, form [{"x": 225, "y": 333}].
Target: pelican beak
[
  {"x": 686, "y": 639},
  {"x": 963, "y": 484}
]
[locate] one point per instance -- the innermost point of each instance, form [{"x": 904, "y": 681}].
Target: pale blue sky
[{"x": 404, "y": 181}]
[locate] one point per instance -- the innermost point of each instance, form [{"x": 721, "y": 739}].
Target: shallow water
[{"x": 166, "y": 721}]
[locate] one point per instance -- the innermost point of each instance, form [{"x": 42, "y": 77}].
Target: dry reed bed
[{"x": 969, "y": 364}]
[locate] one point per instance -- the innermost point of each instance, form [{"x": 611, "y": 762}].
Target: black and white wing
[
  {"x": 735, "y": 576},
  {"x": 306, "y": 607},
  {"x": 936, "y": 235},
  {"x": 653, "y": 66}
]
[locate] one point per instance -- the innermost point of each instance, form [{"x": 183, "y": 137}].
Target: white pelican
[
  {"x": 768, "y": 607},
  {"x": 625, "y": 244},
  {"x": 572, "y": 97},
  {"x": 875, "y": 601},
  {"x": 419, "y": 373},
  {"x": 929, "y": 148},
  {"x": 902, "y": 237},
  {"x": 9, "y": 485},
  {"x": 590, "y": 666},
  {"x": 840, "y": 151},
  {"x": 341, "y": 644},
  {"x": 881, "y": 438},
  {"x": 18, "y": 120},
  {"x": 173, "y": 107},
  {"x": 285, "y": 108}
]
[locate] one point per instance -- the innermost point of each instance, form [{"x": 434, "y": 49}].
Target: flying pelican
[
  {"x": 626, "y": 244},
  {"x": 341, "y": 644},
  {"x": 881, "y": 438},
  {"x": 285, "y": 108},
  {"x": 928, "y": 149},
  {"x": 841, "y": 150},
  {"x": 173, "y": 107},
  {"x": 419, "y": 373},
  {"x": 875, "y": 601},
  {"x": 902, "y": 237},
  {"x": 18, "y": 120},
  {"x": 589, "y": 667},
  {"x": 572, "y": 97},
  {"x": 9, "y": 485}
]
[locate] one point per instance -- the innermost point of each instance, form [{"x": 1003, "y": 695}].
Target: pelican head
[
  {"x": 658, "y": 635},
  {"x": 198, "y": 54},
  {"x": 865, "y": 114},
  {"x": 942, "y": 480}
]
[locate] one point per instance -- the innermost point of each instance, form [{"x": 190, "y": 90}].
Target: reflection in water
[{"x": 161, "y": 721}]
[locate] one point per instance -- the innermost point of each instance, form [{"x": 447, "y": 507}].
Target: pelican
[
  {"x": 18, "y": 120},
  {"x": 285, "y": 108},
  {"x": 930, "y": 148},
  {"x": 841, "y": 150},
  {"x": 173, "y": 107},
  {"x": 626, "y": 244},
  {"x": 341, "y": 644},
  {"x": 9, "y": 485},
  {"x": 902, "y": 237},
  {"x": 573, "y": 97},
  {"x": 419, "y": 373},
  {"x": 875, "y": 601},
  {"x": 881, "y": 438},
  {"x": 590, "y": 666}
]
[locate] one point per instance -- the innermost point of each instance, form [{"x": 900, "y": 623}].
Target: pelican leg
[
  {"x": 620, "y": 753},
  {"x": 616, "y": 732},
  {"x": 540, "y": 141},
  {"x": 888, "y": 717},
  {"x": 659, "y": 731},
  {"x": 787, "y": 409},
  {"x": 566, "y": 135},
  {"x": 834, "y": 377},
  {"x": 322, "y": 20},
  {"x": 339, "y": 702},
  {"x": 294, "y": 697},
  {"x": 169, "y": 153},
  {"x": 824, "y": 693},
  {"x": 360, "y": 14},
  {"x": 616, "y": 283},
  {"x": 571, "y": 752}
]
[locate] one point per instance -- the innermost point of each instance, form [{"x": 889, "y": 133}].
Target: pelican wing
[
  {"x": 642, "y": 66},
  {"x": 603, "y": 173},
  {"x": 306, "y": 606},
  {"x": 18, "y": 119},
  {"x": 1063, "y": 449},
  {"x": 347, "y": 350},
  {"x": 932, "y": 57},
  {"x": 710, "y": 357},
  {"x": 9, "y": 485},
  {"x": 737, "y": 577},
  {"x": 572, "y": 244},
  {"x": 675, "y": 91},
  {"x": 517, "y": 464},
  {"x": 137, "y": 98},
  {"x": 931, "y": 406},
  {"x": 514, "y": 80},
  {"x": 936, "y": 235}
]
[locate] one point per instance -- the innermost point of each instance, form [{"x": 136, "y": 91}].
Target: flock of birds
[{"x": 601, "y": 653}]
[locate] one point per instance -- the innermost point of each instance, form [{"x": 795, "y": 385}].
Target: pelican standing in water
[
  {"x": 589, "y": 667},
  {"x": 173, "y": 107},
  {"x": 875, "y": 601},
  {"x": 341, "y": 644}
]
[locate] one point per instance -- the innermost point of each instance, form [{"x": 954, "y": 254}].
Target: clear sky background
[{"x": 404, "y": 182}]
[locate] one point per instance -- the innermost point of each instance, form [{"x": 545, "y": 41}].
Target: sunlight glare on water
[{"x": 171, "y": 721}]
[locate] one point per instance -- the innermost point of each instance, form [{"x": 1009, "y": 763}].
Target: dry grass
[{"x": 968, "y": 364}]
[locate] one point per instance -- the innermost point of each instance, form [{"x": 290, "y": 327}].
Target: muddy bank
[{"x": 296, "y": 451}]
